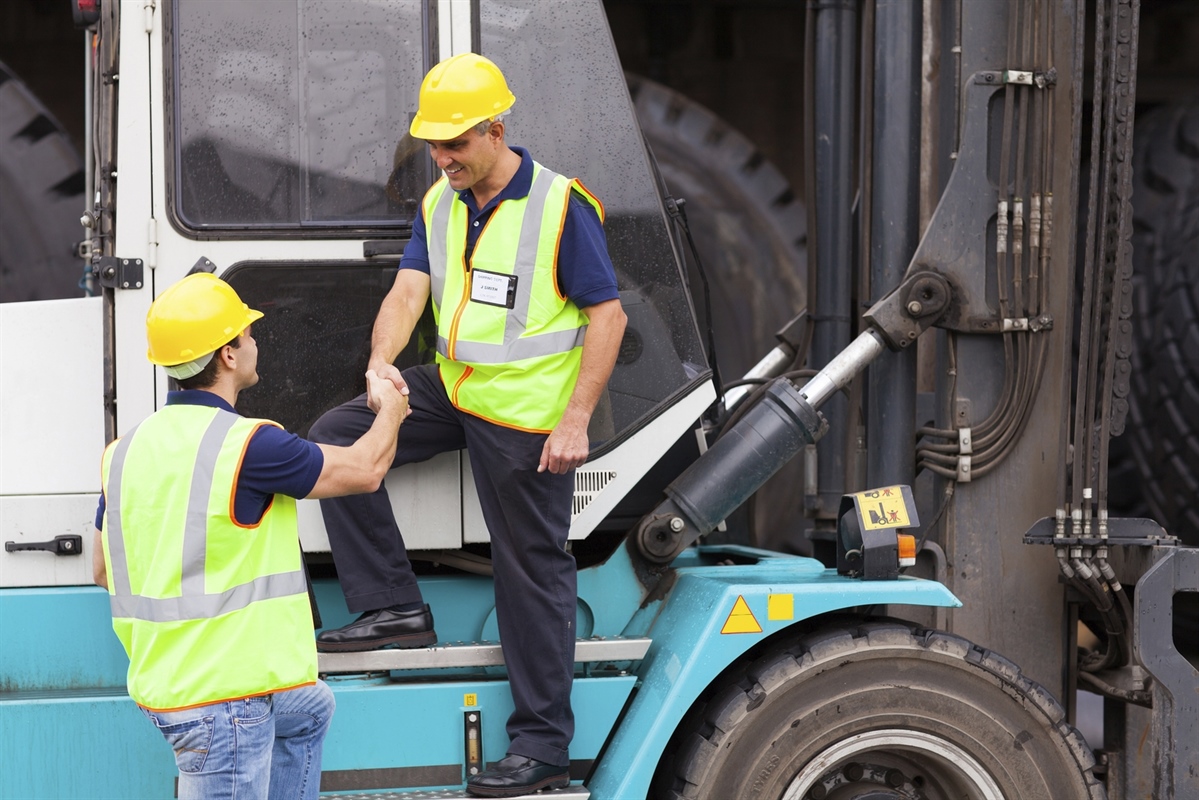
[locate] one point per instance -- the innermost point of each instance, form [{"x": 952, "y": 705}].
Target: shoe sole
[
  {"x": 406, "y": 641},
  {"x": 556, "y": 782}
]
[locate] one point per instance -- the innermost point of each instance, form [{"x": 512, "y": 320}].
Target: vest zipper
[
  {"x": 452, "y": 344},
  {"x": 454, "y": 392}
]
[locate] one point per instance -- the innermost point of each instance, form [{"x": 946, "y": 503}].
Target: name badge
[{"x": 493, "y": 288}]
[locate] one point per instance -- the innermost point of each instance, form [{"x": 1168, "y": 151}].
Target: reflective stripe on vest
[
  {"x": 515, "y": 366},
  {"x": 193, "y": 603},
  {"x": 529, "y": 347}
]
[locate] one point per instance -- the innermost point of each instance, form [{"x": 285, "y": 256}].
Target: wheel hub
[{"x": 893, "y": 764}]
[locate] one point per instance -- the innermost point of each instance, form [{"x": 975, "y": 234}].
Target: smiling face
[{"x": 470, "y": 159}]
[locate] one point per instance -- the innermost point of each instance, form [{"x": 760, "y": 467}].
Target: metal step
[
  {"x": 569, "y": 793},
  {"x": 474, "y": 654}
]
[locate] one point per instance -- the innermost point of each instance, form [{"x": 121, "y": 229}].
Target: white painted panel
[
  {"x": 636, "y": 455},
  {"x": 474, "y": 529},
  {"x": 453, "y": 35},
  {"x": 425, "y": 499},
  {"x": 40, "y": 519},
  {"x": 134, "y": 374},
  {"x": 51, "y": 396}
]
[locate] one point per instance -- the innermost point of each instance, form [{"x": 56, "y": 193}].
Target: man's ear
[{"x": 228, "y": 356}]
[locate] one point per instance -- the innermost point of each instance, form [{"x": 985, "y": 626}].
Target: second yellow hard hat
[{"x": 194, "y": 317}]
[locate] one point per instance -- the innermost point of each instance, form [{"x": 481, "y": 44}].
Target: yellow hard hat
[
  {"x": 460, "y": 92},
  {"x": 193, "y": 318}
]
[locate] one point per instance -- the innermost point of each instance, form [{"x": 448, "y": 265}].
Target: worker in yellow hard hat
[
  {"x": 529, "y": 322},
  {"x": 217, "y": 623}
]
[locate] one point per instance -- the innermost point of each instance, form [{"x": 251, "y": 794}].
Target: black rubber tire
[
  {"x": 765, "y": 727},
  {"x": 1164, "y": 397},
  {"x": 748, "y": 224},
  {"x": 42, "y": 186},
  {"x": 751, "y": 230}
]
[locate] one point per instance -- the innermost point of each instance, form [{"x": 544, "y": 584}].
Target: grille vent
[{"x": 588, "y": 485}]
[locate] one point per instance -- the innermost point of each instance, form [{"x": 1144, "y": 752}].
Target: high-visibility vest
[
  {"x": 207, "y": 609},
  {"x": 509, "y": 344}
]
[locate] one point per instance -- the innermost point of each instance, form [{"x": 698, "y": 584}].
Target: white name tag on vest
[{"x": 493, "y": 288}]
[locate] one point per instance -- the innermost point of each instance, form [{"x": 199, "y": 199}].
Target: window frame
[{"x": 172, "y": 183}]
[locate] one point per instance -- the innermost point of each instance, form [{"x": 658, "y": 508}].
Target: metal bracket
[
  {"x": 202, "y": 265},
  {"x": 119, "y": 273},
  {"x": 1175, "y": 689},
  {"x": 1019, "y": 77},
  {"x": 963, "y": 469},
  {"x": 912, "y": 307}
]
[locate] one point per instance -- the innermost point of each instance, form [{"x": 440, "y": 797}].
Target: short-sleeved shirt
[
  {"x": 585, "y": 272},
  {"x": 276, "y": 462}
]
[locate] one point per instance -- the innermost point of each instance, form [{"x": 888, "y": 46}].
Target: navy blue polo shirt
[
  {"x": 585, "y": 272},
  {"x": 276, "y": 462}
]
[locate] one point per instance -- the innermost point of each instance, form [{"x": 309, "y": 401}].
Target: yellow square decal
[
  {"x": 780, "y": 606},
  {"x": 471, "y": 699}
]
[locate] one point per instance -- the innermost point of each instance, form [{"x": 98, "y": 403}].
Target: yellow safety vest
[
  {"x": 208, "y": 610},
  {"x": 508, "y": 344}
]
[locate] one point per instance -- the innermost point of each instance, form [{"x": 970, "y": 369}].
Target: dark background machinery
[{"x": 719, "y": 89}]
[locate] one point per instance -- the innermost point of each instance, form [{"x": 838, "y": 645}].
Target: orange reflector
[{"x": 907, "y": 549}]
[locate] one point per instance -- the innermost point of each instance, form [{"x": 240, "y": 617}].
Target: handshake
[{"x": 382, "y": 395}]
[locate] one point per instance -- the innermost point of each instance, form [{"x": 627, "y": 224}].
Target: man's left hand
[{"x": 566, "y": 448}]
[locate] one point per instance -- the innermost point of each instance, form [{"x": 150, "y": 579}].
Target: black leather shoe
[
  {"x": 513, "y": 776},
  {"x": 382, "y": 628}
]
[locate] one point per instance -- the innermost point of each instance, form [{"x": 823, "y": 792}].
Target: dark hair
[{"x": 207, "y": 376}]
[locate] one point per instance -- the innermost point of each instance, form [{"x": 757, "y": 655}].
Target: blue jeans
[{"x": 259, "y": 748}]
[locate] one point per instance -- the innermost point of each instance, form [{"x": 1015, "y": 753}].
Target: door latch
[{"x": 69, "y": 544}]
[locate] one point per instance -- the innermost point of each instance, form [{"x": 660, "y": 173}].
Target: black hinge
[{"x": 118, "y": 273}]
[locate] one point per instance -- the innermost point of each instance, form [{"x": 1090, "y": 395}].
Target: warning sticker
[
  {"x": 741, "y": 619},
  {"x": 885, "y": 508}
]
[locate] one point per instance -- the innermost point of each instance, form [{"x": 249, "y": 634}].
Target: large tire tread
[
  {"x": 693, "y": 761},
  {"x": 42, "y": 186},
  {"x": 1164, "y": 400}
]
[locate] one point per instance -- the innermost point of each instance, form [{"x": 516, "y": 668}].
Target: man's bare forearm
[
  {"x": 99, "y": 569},
  {"x": 391, "y": 332},
  {"x": 398, "y": 315},
  {"x": 361, "y": 467},
  {"x": 567, "y": 447},
  {"x": 605, "y": 329}
]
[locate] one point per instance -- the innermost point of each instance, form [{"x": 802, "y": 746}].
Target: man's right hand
[{"x": 389, "y": 372}]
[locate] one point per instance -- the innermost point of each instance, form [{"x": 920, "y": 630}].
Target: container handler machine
[{"x": 967, "y": 191}]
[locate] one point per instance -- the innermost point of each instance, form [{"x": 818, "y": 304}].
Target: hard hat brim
[
  {"x": 431, "y": 131},
  {"x": 252, "y": 316}
]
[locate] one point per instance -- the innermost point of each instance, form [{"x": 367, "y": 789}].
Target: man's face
[
  {"x": 247, "y": 360},
  {"x": 469, "y": 158}
]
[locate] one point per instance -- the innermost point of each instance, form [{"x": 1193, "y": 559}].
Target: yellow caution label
[
  {"x": 741, "y": 619},
  {"x": 470, "y": 699},
  {"x": 883, "y": 508},
  {"x": 780, "y": 606}
]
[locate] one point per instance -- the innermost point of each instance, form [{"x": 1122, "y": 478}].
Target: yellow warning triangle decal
[{"x": 741, "y": 619}]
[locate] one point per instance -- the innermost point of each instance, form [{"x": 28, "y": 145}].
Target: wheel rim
[{"x": 897, "y": 763}]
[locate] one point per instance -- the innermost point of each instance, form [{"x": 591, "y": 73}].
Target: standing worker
[
  {"x": 197, "y": 543},
  {"x": 528, "y": 327}
]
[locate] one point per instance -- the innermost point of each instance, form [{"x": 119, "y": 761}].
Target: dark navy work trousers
[{"x": 528, "y": 518}]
